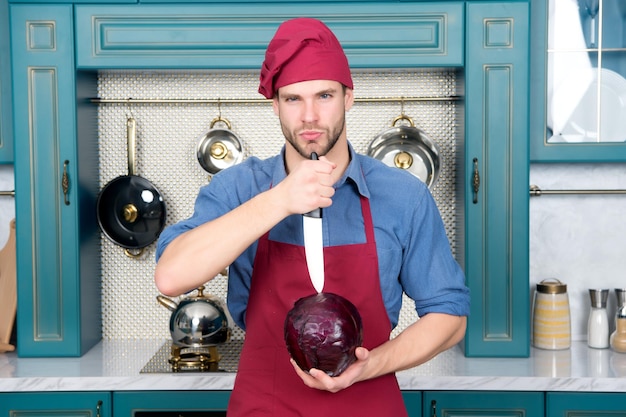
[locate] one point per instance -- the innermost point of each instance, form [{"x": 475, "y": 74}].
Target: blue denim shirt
[{"x": 414, "y": 253}]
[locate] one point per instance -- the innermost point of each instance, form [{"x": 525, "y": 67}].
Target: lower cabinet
[
  {"x": 55, "y": 404},
  {"x": 413, "y": 403},
  {"x": 585, "y": 404},
  {"x": 483, "y": 403},
  {"x": 170, "y": 403},
  {"x": 214, "y": 404}
]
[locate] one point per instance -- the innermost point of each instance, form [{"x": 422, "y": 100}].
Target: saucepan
[
  {"x": 131, "y": 210},
  {"x": 408, "y": 147},
  {"x": 219, "y": 147}
]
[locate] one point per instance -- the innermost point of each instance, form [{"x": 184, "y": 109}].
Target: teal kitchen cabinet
[
  {"x": 6, "y": 112},
  {"x": 413, "y": 403},
  {"x": 483, "y": 403},
  {"x": 54, "y": 404},
  {"x": 579, "y": 79},
  {"x": 585, "y": 404},
  {"x": 196, "y": 36},
  {"x": 56, "y": 181},
  {"x": 174, "y": 403},
  {"x": 210, "y": 403},
  {"x": 496, "y": 179}
]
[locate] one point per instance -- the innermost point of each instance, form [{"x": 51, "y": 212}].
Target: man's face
[{"x": 312, "y": 115}]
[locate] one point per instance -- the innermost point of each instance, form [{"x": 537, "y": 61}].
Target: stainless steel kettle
[{"x": 198, "y": 321}]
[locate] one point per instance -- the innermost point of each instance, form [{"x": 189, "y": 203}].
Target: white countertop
[{"x": 115, "y": 365}]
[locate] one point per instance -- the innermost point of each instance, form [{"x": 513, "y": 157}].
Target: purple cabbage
[{"x": 323, "y": 331}]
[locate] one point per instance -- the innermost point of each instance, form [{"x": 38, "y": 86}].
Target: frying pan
[
  {"x": 219, "y": 148},
  {"x": 408, "y": 147},
  {"x": 131, "y": 210}
]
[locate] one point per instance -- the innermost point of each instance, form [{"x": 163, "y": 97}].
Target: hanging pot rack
[
  {"x": 534, "y": 190},
  {"x": 255, "y": 100}
]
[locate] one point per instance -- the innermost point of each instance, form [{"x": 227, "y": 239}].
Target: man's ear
[
  {"x": 348, "y": 98},
  {"x": 275, "y": 104}
]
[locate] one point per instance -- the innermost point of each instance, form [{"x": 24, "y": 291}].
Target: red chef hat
[{"x": 303, "y": 49}]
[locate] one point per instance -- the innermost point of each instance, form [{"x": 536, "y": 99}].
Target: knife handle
[{"x": 316, "y": 213}]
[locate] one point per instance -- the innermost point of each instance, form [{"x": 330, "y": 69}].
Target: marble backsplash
[{"x": 579, "y": 239}]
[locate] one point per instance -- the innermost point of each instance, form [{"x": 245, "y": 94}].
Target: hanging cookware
[
  {"x": 131, "y": 211},
  {"x": 408, "y": 147},
  {"x": 197, "y": 321},
  {"x": 219, "y": 148}
]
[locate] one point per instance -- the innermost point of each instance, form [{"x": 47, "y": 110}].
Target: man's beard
[{"x": 333, "y": 137}]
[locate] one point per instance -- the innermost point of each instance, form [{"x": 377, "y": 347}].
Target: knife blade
[{"x": 314, "y": 244}]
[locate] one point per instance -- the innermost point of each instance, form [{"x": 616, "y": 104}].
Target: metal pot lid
[
  {"x": 131, "y": 211},
  {"x": 409, "y": 148},
  {"x": 219, "y": 148}
]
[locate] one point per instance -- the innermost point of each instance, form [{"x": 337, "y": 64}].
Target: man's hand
[
  {"x": 308, "y": 186},
  {"x": 316, "y": 378}
]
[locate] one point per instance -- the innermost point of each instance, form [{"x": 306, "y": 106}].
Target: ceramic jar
[{"x": 551, "y": 316}]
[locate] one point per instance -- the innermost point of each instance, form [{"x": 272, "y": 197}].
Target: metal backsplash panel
[{"x": 167, "y": 134}]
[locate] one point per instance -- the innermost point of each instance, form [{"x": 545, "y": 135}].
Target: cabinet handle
[
  {"x": 476, "y": 181},
  {"x": 98, "y": 408},
  {"x": 433, "y": 408},
  {"x": 65, "y": 183}
]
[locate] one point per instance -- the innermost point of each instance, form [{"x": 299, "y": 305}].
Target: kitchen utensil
[
  {"x": 131, "y": 211},
  {"x": 408, "y": 147},
  {"x": 198, "y": 321},
  {"x": 314, "y": 244},
  {"x": 8, "y": 290},
  {"x": 219, "y": 148},
  {"x": 551, "y": 316}
]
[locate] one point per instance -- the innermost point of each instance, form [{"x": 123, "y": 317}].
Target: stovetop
[{"x": 229, "y": 353}]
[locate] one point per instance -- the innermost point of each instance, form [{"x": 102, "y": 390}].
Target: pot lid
[
  {"x": 408, "y": 148},
  {"x": 131, "y": 212}
]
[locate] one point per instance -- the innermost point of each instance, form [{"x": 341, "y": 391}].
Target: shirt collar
[{"x": 354, "y": 172}]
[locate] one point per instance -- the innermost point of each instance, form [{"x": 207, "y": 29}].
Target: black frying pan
[{"x": 131, "y": 211}]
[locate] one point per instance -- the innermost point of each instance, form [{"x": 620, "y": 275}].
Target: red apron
[{"x": 266, "y": 383}]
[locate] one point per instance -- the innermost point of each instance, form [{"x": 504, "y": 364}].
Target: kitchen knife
[{"x": 314, "y": 244}]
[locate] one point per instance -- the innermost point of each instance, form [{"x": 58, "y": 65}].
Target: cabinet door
[
  {"x": 478, "y": 403},
  {"x": 496, "y": 179},
  {"x": 221, "y": 36},
  {"x": 55, "y": 404},
  {"x": 170, "y": 403},
  {"x": 413, "y": 403},
  {"x": 585, "y": 404},
  {"x": 58, "y": 260},
  {"x": 579, "y": 81},
  {"x": 6, "y": 114}
]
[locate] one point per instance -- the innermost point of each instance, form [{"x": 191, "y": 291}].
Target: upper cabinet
[
  {"x": 6, "y": 114},
  {"x": 235, "y": 35},
  {"x": 580, "y": 61}
]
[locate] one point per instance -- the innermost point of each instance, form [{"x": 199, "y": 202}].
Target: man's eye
[{"x": 325, "y": 95}]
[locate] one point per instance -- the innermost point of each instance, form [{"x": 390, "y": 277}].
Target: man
[{"x": 382, "y": 235}]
